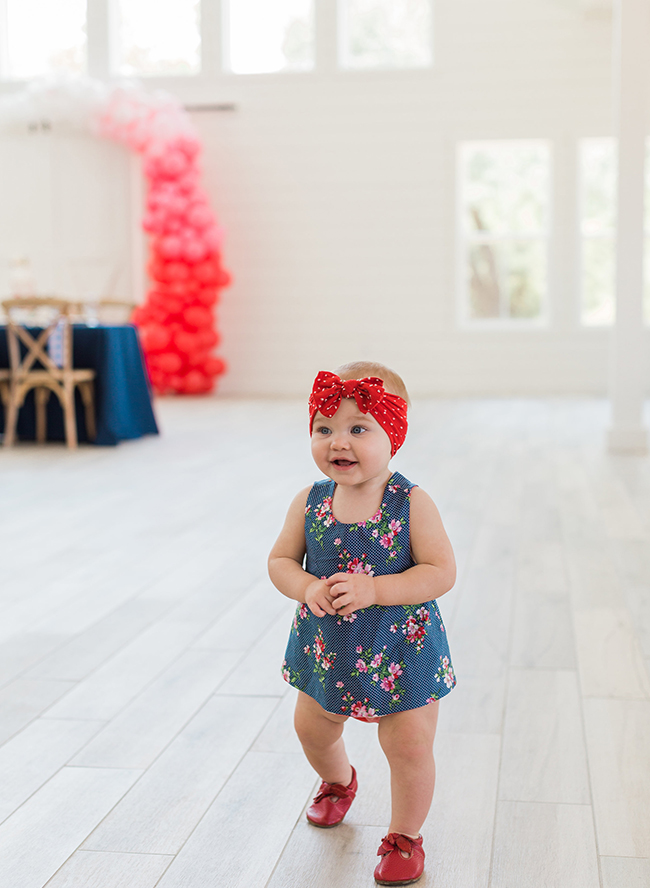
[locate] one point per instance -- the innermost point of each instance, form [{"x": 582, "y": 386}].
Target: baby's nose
[{"x": 339, "y": 442}]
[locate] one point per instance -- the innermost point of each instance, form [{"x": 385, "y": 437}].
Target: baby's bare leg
[
  {"x": 407, "y": 741},
  {"x": 320, "y": 733}
]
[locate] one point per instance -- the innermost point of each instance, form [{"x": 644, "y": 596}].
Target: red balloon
[
  {"x": 207, "y": 296},
  {"x": 214, "y": 366},
  {"x": 173, "y": 305},
  {"x": 140, "y": 315},
  {"x": 176, "y": 383},
  {"x": 197, "y": 316},
  {"x": 207, "y": 272},
  {"x": 224, "y": 278},
  {"x": 177, "y": 271},
  {"x": 155, "y": 337},
  {"x": 207, "y": 338},
  {"x": 197, "y": 382},
  {"x": 169, "y": 362},
  {"x": 186, "y": 342},
  {"x": 160, "y": 381},
  {"x": 197, "y": 359}
]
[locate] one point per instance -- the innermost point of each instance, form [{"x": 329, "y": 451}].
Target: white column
[
  {"x": 631, "y": 74},
  {"x": 326, "y": 30},
  {"x": 102, "y": 37}
]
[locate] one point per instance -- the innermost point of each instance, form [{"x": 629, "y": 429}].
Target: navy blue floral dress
[{"x": 381, "y": 659}]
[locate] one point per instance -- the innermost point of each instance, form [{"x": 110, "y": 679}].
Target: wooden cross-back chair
[{"x": 35, "y": 369}]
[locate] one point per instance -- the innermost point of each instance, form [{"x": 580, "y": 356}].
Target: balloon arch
[{"x": 176, "y": 320}]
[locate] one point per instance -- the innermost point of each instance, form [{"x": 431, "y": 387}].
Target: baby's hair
[{"x": 393, "y": 382}]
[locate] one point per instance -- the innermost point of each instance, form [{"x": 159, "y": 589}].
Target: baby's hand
[
  {"x": 351, "y": 592},
  {"x": 318, "y": 598}
]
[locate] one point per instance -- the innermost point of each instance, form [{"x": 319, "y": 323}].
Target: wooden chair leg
[
  {"x": 88, "y": 397},
  {"x": 11, "y": 418},
  {"x": 41, "y": 397},
  {"x": 69, "y": 416}
]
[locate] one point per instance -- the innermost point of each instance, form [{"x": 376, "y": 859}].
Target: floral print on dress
[
  {"x": 357, "y": 708},
  {"x": 446, "y": 673},
  {"x": 301, "y": 616},
  {"x": 352, "y": 564},
  {"x": 321, "y": 518},
  {"x": 384, "y": 530},
  {"x": 379, "y": 659},
  {"x": 414, "y": 628},
  {"x": 322, "y": 662},
  {"x": 380, "y": 669}
]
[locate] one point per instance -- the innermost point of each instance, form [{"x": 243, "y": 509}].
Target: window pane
[
  {"x": 598, "y": 170},
  {"x": 507, "y": 279},
  {"x": 271, "y": 36},
  {"x": 598, "y": 270},
  {"x": 386, "y": 33},
  {"x": 45, "y": 37},
  {"x": 505, "y": 187},
  {"x": 646, "y": 289},
  {"x": 160, "y": 41},
  {"x": 598, "y": 176}
]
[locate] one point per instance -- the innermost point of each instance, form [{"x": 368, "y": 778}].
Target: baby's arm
[
  {"x": 433, "y": 574},
  {"x": 285, "y": 563}
]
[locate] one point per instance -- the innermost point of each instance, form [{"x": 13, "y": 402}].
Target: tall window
[
  {"x": 163, "y": 38},
  {"x": 504, "y": 226},
  {"x": 385, "y": 33},
  {"x": 597, "y": 163},
  {"x": 159, "y": 41},
  {"x": 43, "y": 37},
  {"x": 269, "y": 36},
  {"x": 598, "y": 160}
]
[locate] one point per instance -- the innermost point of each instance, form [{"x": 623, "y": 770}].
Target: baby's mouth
[{"x": 343, "y": 463}]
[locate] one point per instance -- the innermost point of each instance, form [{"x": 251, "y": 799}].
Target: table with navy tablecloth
[{"x": 123, "y": 407}]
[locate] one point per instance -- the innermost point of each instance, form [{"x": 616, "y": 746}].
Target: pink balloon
[
  {"x": 173, "y": 163},
  {"x": 194, "y": 251},
  {"x": 177, "y": 205},
  {"x": 200, "y": 216},
  {"x": 212, "y": 238},
  {"x": 170, "y": 247}
]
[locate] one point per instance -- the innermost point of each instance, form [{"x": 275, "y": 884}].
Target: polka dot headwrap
[{"x": 389, "y": 410}]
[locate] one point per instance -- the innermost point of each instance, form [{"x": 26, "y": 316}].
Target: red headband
[{"x": 389, "y": 410}]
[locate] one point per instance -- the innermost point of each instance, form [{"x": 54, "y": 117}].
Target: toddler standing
[{"x": 367, "y": 640}]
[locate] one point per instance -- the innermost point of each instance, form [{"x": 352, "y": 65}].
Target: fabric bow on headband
[{"x": 389, "y": 410}]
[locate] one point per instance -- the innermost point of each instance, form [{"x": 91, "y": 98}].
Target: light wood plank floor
[{"x": 146, "y": 732}]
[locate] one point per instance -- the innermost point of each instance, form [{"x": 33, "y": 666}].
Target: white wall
[
  {"x": 337, "y": 193},
  {"x": 65, "y": 203}
]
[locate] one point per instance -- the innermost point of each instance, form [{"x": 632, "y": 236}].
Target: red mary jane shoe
[
  {"x": 332, "y": 803},
  {"x": 394, "y": 868}
]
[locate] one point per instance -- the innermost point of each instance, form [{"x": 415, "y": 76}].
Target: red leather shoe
[
  {"x": 394, "y": 868},
  {"x": 332, "y": 803}
]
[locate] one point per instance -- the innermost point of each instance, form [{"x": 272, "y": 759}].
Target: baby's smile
[{"x": 343, "y": 463}]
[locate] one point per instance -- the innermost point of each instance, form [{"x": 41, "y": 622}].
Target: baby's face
[{"x": 350, "y": 447}]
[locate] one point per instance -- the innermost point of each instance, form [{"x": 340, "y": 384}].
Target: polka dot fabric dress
[{"x": 380, "y": 659}]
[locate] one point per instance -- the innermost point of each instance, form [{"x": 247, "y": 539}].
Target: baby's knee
[
  {"x": 316, "y": 728},
  {"x": 405, "y": 743}
]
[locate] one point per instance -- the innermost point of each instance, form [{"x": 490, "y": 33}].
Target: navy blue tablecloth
[{"x": 122, "y": 395}]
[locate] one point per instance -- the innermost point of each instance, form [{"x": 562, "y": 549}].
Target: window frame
[
  {"x": 464, "y": 239},
  {"x": 102, "y": 49}
]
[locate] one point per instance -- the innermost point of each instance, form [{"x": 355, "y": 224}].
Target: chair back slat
[{"x": 35, "y": 346}]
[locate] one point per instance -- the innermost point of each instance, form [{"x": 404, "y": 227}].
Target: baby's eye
[
  {"x": 358, "y": 430},
  {"x": 323, "y": 430}
]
